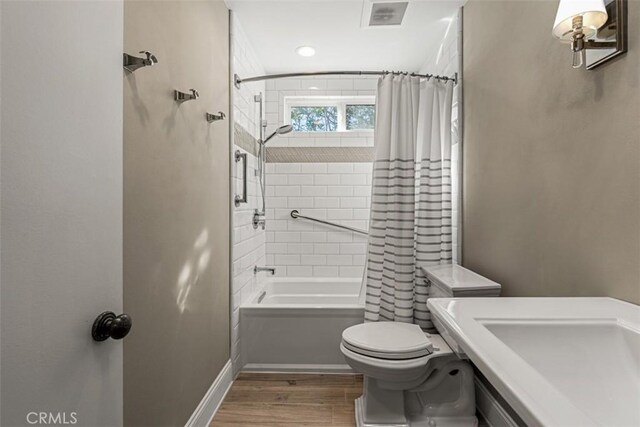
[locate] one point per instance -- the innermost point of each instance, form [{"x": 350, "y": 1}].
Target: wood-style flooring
[{"x": 269, "y": 400}]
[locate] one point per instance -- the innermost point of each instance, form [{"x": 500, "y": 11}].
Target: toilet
[{"x": 413, "y": 378}]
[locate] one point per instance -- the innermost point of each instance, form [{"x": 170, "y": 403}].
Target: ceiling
[{"x": 333, "y": 28}]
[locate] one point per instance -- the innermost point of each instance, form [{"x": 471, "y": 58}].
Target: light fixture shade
[{"x": 593, "y": 12}]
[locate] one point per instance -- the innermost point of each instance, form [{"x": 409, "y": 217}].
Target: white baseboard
[
  {"x": 212, "y": 399},
  {"x": 490, "y": 409},
  {"x": 297, "y": 368}
]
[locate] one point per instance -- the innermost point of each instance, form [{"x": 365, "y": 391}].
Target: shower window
[
  {"x": 361, "y": 116},
  {"x": 330, "y": 113},
  {"x": 314, "y": 119}
]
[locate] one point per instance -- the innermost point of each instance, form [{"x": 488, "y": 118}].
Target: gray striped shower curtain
[{"x": 411, "y": 200}]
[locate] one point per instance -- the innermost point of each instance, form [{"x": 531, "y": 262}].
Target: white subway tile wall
[
  {"x": 446, "y": 62},
  {"x": 248, "y": 245},
  {"x": 337, "y": 192}
]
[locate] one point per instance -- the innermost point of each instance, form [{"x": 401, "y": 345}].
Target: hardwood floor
[{"x": 269, "y": 400}]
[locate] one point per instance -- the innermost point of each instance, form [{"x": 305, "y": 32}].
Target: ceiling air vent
[{"x": 387, "y": 13}]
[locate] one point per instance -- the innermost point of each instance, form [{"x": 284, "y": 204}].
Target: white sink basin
[{"x": 556, "y": 361}]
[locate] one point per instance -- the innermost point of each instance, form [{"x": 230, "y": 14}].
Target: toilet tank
[{"x": 452, "y": 280}]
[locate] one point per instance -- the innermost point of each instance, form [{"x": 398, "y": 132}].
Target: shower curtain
[{"x": 411, "y": 200}]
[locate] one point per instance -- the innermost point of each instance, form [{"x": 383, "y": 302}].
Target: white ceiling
[{"x": 333, "y": 28}]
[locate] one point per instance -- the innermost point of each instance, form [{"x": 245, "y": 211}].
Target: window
[
  {"x": 314, "y": 119},
  {"x": 360, "y": 116},
  {"x": 330, "y": 113}
]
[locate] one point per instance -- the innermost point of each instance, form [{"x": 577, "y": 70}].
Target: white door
[{"x": 61, "y": 210}]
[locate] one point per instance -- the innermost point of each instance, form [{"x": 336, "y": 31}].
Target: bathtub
[{"x": 296, "y": 324}]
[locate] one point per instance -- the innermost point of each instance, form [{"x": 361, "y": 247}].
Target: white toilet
[{"x": 413, "y": 378}]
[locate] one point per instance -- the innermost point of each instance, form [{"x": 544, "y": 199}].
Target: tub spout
[{"x": 257, "y": 269}]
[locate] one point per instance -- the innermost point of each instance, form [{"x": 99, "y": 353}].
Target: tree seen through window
[
  {"x": 314, "y": 119},
  {"x": 360, "y": 116}
]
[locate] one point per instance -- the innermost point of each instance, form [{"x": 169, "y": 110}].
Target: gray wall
[
  {"x": 551, "y": 157},
  {"x": 176, "y": 209},
  {"x": 61, "y": 226}
]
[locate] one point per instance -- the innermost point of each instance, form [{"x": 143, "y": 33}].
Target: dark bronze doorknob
[{"x": 108, "y": 325}]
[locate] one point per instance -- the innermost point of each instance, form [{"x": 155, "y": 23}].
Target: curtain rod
[{"x": 238, "y": 80}]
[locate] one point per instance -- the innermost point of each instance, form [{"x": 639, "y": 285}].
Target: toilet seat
[{"x": 387, "y": 340}]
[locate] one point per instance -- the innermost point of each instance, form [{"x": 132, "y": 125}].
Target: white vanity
[{"x": 555, "y": 361}]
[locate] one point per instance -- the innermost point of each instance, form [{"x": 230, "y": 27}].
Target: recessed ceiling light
[{"x": 305, "y": 51}]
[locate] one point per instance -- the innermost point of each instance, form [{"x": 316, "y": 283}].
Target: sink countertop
[{"x": 556, "y": 361}]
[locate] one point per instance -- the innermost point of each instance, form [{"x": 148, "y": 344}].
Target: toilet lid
[{"x": 387, "y": 340}]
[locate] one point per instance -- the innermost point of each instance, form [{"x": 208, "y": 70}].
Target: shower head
[
  {"x": 280, "y": 131},
  {"x": 284, "y": 129}
]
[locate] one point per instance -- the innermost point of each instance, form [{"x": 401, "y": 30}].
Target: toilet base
[
  {"x": 380, "y": 407},
  {"x": 419, "y": 422},
  {"x": 445, "y": 399},
  {"x": 360, "y": 417}
]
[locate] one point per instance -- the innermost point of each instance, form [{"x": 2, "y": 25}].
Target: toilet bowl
[
  {"x": 413, "y": 378},
  {"x": 402, "y": 366}
]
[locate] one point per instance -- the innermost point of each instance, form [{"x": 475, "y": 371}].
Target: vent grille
[{"x": 387, "y": 13}]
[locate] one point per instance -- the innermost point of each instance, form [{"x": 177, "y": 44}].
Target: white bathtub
[{"x": 296, "y": 324}]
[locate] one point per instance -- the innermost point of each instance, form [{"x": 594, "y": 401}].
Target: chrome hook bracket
[
  {"x": 214, "y": 117},
  {"x": 132, "y": 63},
  {"x": 184, "y": 96}
]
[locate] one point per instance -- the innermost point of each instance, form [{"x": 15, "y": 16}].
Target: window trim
[{"x": 340, "y": 102}]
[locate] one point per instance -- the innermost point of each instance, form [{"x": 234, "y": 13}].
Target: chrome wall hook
[
  {"x": 215, "y": 117},
  {"x": 132, "y": 63},
  {"x": 183, "y": 96}
]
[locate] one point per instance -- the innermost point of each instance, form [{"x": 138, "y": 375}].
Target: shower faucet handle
[{"x": 259, "y": 220}]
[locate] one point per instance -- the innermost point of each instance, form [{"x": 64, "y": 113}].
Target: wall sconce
[{"x": 596, "y": 30}]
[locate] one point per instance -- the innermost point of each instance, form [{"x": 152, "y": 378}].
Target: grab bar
[
  {"x": 295, "y": 214},
  {"x": 242, "y": 156}
]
